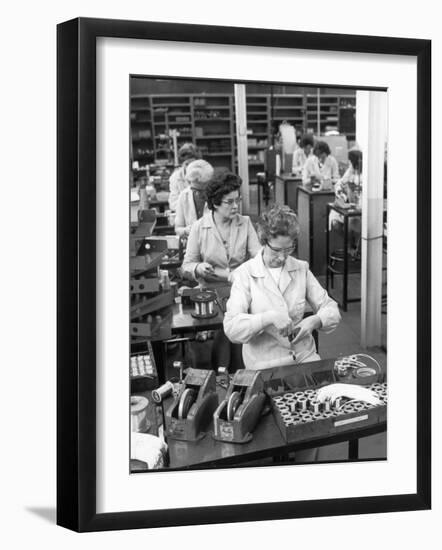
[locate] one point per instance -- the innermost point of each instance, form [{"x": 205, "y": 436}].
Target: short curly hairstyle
[
  {"x": 306, "y": 140},
  {"x": 279, "y": 221},
  {"x": 188, "y": 151},
  {"x": 321, "y": 147},
  {"x": 222, "y": 183},
  {"x": 198, "y": 173}
]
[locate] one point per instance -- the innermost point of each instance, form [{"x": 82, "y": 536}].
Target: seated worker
[
  {"x": 191, "y": 203},
  {"x": 301, "y": 154},
  {"x": 321, "y": 167},
  {"x": 348, "y": 195},
  {"x": 218, "y": 243},
  {"x": 177, "y": 182},
  {"x": 265, "y": 311},
  {"x": 222, "y": 239}
]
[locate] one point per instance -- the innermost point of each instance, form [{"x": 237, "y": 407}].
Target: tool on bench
[
  {"x": 238, "y": 414},
  {"x": 192, "y": 409}
]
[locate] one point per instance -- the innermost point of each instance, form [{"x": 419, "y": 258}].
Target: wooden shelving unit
[{"x": 209, "y": 121}]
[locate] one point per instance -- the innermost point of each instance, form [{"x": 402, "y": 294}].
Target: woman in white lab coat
[
  {"x": 191, "y": 205},
  {"x": 348, "y": 192},
  {"x": 321, "y": 167},
  {"x": 265, "y": 311},
  {"x": 301, "y": 154}
]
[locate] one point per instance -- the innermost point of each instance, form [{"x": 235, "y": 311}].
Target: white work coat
[
  {"x": 254, "y": 292},
  {"x": 327, "y": 171},
  {"x": 299, "y": 159},
  {"x": 205, "y": 245},
  {"x": 186, "y": 211},
  {"x": 177, "y": 183}
]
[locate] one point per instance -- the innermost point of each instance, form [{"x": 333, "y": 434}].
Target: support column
[
  {"x": 241, "y": 142},
  {"x": 371, "y": 134}
]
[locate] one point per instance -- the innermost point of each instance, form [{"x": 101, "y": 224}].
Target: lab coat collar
[
  {"x": 209, "y": 223},
  {"x": 258, "y": 269}
]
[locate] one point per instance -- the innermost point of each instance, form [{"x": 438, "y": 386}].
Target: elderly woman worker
[
  {"x": 321, "y": 167},
  {"x": 222, "y": 239},
  {"x": 265, "y": 311},
  {"x": 177, "y": 181},
  {"x": 191, "y": 203}
]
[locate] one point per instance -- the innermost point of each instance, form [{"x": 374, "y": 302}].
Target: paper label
[{"x": 351, "y": 420}]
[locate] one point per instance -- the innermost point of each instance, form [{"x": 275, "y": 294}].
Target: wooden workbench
[
  {"x": 267, "y": 439},
  {"x": 286, "y": 190}
]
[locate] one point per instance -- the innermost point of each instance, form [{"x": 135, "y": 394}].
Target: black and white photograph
[
  {"x": 241, "y": 328},
  {"x": 258, "y": 274}
]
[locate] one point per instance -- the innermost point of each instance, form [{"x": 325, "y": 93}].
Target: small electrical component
[
  {"x": 356, "y": 367},
  {"x": 204, "y": 304},
  {"x": 141, "y": 365}
]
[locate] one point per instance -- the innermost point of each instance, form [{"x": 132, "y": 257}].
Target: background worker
[{"x": 191, "y": 203}]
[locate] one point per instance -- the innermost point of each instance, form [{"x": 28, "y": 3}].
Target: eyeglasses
[
  {"x": 285, "y": 251},
  {"x": 231, "y": 202}
]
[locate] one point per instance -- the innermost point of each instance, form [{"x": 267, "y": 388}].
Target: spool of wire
[
  {"x": 138, "y": 413},
  {"x": 204, "y": 304},
  {"x": 162, "y": 392}
]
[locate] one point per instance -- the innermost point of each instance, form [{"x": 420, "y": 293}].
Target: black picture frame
[{"x": 76, "y": 273}]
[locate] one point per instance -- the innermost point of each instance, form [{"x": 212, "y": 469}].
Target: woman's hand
[
  {"x": 205, "y": 270},
  {"x": 304, "y": 328},
  {"x": 279, "y": 319}
]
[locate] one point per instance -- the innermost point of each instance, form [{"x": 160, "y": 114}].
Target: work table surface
[{"x": 267, "y": 439}]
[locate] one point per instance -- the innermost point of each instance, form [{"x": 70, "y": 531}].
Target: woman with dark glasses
[{"x": 265, "y": 311}]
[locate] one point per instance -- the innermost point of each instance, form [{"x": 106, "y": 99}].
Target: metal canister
[{"x": 162, "y": 392}]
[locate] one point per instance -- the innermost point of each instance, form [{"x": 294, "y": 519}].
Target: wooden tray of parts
[{"x": 300, "y": 415}]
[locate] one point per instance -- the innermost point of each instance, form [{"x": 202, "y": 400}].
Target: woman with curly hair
[
  {"x": 222, "y": 239},
  {"x": 321, "y": 167},
  {"x": 218, "y": 243},
  {"x": 265, "y": 311},
  {"x": 187, "y": 153}
]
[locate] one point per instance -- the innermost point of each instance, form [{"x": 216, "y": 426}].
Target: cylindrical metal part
[
  {"x": 315, "y": 406},
  {"x": 289, "y": 395},
  {"x": 327, "y": 406},
  {"x": 298, "y": 394},
  {"x": 138, "y": 412},
  {"x": 162, "y": 392},
  {"x": 337, "y": 403},
  {"x": 302, "y": 403}
]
